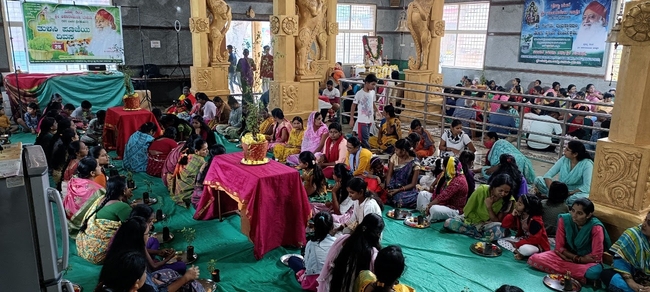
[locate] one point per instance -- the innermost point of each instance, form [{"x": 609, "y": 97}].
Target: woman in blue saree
[
  {"x": 136, "y": 153},
  {"x": 574, "y": 169},
  {"x": 403, "y": 175},
  {"x": 631, "y": 260},
  {"x": 496, "y": 147}
]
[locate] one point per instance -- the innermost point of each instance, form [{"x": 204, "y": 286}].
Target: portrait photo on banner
[
  {"x": 60, "y": 33},
  {"x": 565, "y": 32}
]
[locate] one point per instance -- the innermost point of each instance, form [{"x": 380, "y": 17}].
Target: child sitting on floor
[
  {"x": 531, "y": 236},
  {"x": 83, "y": 113},
  {"x": 29, "y": 122},
  {"x": 555, "y": 205},
  {"x": 5, "y": 124},
  {"x": 95, "y": 129},
  {"x": 308, "y": 270},
  {"x": 312, "y": 175}
]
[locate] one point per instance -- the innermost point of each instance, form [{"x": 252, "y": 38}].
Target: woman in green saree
[{"x": 181, "y": 183}]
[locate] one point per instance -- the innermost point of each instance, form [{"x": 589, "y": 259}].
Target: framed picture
[{"x": 373, "y": 50}]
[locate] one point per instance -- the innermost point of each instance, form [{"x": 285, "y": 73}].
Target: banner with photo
[
  {"x": 564, "y": 32},
  {"x": 61, "y": 33}
]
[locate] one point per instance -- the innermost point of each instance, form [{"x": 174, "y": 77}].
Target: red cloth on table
[
  {"x": 272, "y": 195},
  {"x": 206, "y": 209},
  {"x": 164, "y": 145},
  {"x": 120, "y": 125}
]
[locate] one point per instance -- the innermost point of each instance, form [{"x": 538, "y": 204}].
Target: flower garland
[{"x": 368, "y": 50}]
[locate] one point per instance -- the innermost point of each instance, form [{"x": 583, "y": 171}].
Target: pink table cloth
[{"x": 272, "y": 200}]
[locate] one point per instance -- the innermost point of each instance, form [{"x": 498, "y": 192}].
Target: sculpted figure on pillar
[
  {"x": 419, "y": 23},
  {"x": 321, "y": 35},
  {"x": 311, "y": 14},
  {"x": 221, "y": 19}
]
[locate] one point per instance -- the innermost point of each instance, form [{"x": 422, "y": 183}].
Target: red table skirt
[
  {"x": 121, "y": 124},
  {"x": 271, "y": 198}
]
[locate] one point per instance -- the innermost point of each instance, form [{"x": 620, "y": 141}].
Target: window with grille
[
  {"x": 16, "y": 41},
  {"x": 355, "y": 21},
  {"x": 463, "y": 45}
]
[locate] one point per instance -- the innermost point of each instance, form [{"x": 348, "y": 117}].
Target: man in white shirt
[
  {"x": 334, "y": 96},
  {"x": 208, "y": 107},
  {"x": 365, "y": 100},
  {"x": 548, "y": 126}
]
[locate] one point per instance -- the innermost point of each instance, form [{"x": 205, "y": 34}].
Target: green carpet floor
[{"x": 436, "y": 260}]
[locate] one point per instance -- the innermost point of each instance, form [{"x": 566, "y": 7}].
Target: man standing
[
  {"x": 266, "y": 68},
  {"x": 232, "y": 69}
]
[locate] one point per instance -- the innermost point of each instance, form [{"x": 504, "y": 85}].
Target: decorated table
[
  {"x": 272, "y": 201},
  {"x": 120, "y": 124}
]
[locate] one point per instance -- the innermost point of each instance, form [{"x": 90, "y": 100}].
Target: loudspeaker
[{"x": 96, "y": 67}]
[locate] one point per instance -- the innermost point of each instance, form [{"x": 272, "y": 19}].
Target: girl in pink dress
[{"x": 580, "y": 242}]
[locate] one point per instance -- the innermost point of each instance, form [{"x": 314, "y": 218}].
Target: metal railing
[{"x": 442, "y": 121}]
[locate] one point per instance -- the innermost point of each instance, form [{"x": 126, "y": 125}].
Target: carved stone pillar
[
  {"x": 207, "y": 75},
  {"x": 621, "y": 181},
  {"x": 424, "y": 67},
  {"x": 298, "y": 94}
]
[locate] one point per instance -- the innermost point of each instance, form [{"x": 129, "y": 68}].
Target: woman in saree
[
  {"x": 426, "y": 146},
  {"x": 181, "y": 183},
  {"x": 334, "y": 150},
  {"x": 485, "y": 209},
  {"x": 95, "y": 233},
  {"x": 158, "y": 151},
  {"x": 101, "y": 156},
  {"x": 496, "y": 147},
  {"x": 76, "y": 151},
  {"x": 203, "y": 131},
  {"x": 573, "y": 169},
  {"x": 281, "y": 129},
  {"x": 389, "y": 267},
  {"x": 390, "y": 131},
  {"x": 59, "y": 155},
  {"x": 132, "y": 236},
  {"x": 314, "y": 137},
  {"x": 172, "y": 160},
  {"x": 135, "y": 153},
  {"x": 282, "y": 151},
  {"x": 82, "y": 192},
  {"x": 403, "y": 175},
  {"x": 631, "y": 251},
  {"x": 214, "y": 151},
  {"x": 580, "y": 241},
  {"x": 450, "y": 192}
]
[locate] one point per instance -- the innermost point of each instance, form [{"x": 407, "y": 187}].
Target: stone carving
[
  {"x": 273, "y": 92},
  {"x": 204, "y": 78},
  {"x": 311, "y": 14},
  {"x": 289, "y": 98},
  {"x": 289, "y": 25},
  {"x": 418, "y": 20},
  {"x": 439, "y": 28},
  {"x": 636, "y": 23},
  {"x": 275, "y": 24},
  {"x": 199, "y": 24},
  {"x": 333, "y": 28},
  {"x": 321, "y": 37},
  {"x": 221, "y": 20},
  {"x": 617, "y": 173}
]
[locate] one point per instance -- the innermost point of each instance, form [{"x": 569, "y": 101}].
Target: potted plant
[
  {"x": 189, "y": 234},
  {"x": 254, "y": 143},
  {"x": 145, "y": 195},
  {"x": 130, "y": 183},
  {"x": 212, "y": 264}
]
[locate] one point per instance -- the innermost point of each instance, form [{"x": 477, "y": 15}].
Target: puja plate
[
  {"x": 285, "y": 258},
  {"x": 412, "y": 221},
  {"x": 152, "y": 201},
  {"x": 556, "y": 282},
  {"x": 478, "y": 247},
  {"x": 401, "y": 216},
  {"x": 182, "y": 257},
  {"x": 249, "y": 162},
  {"x": 208, "y": 285},
  {"x": 159, "y": 236}
]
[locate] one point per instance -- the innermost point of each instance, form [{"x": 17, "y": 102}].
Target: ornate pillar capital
[
  {"x": 332, "y": 28},
  {"x": 635, "y": 26},
  {"x": 438, "y": 28},
  {"x": 284, "y": 24},
  {"x": 199, "y": 24}
]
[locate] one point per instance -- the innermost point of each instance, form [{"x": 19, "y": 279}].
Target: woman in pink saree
[
  {"x": 281, "y": 129},
  {"x": 82, "y": 193},
  {"x": 314, "y": 137},
  {"x": 170, "y": 162}
]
